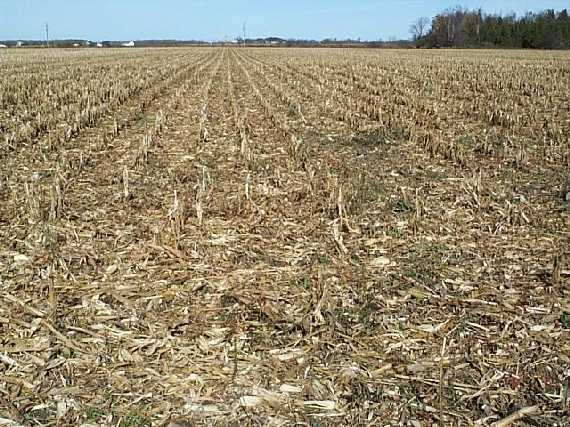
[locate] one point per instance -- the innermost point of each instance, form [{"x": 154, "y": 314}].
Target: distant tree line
[{"x": 460, "y": 27}]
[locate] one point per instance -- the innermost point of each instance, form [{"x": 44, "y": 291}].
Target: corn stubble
[{"x": 268, "y": 237}]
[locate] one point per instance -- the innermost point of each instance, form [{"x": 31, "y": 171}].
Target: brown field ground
[{"x": 275, "y": 237}]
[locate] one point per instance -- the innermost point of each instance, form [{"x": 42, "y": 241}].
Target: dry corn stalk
[
  {"x": 517, "y": 416},
  {"x": 337, "y": 236},
  {"x": 565, "y": 193},
  {"x": 244, "y": 144},
  {"x": 176, "y": 216},
  {"x": 198, "y": 205},
  {"x": 248, "y": 186},
  {"x": 201, "y": 191},
  {"x": 33, "y": 201},
  {"x": 126, "y": 190},
  {"x": 159, "y": 123},
  {"x": 205, "y": 179},
  {"x": 557, "y": 268},
  {"x": 56, "y": 197},
  {"x": 115, "y": 128},
  {"x": 146, "y": 145},
  {"x": 48, "y": 241},
  {"x": 203, "y": 128},
  {"x": 340, "y": 204}
]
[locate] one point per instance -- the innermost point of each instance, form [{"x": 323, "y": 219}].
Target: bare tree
[{"x": 419, "y": 28}]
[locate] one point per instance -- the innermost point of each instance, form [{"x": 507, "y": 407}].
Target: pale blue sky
[{"x": 214, "y": 19}]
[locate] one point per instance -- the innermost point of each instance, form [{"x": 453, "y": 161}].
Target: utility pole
[{"x": 47, "y": 35}]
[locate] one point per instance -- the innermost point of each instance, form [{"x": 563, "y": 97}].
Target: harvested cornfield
[{"x": 274, "y": 237}]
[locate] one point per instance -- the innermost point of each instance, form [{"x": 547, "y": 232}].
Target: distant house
[
  {"x": 3, "y": 46},
  {"x": 274, "y": 41},
  {"x": 129, "y": 44},
  {"x": 76, "y": 45},
  {"x": 99, "y": 44},
  {"x": 19, "y": 44}
]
